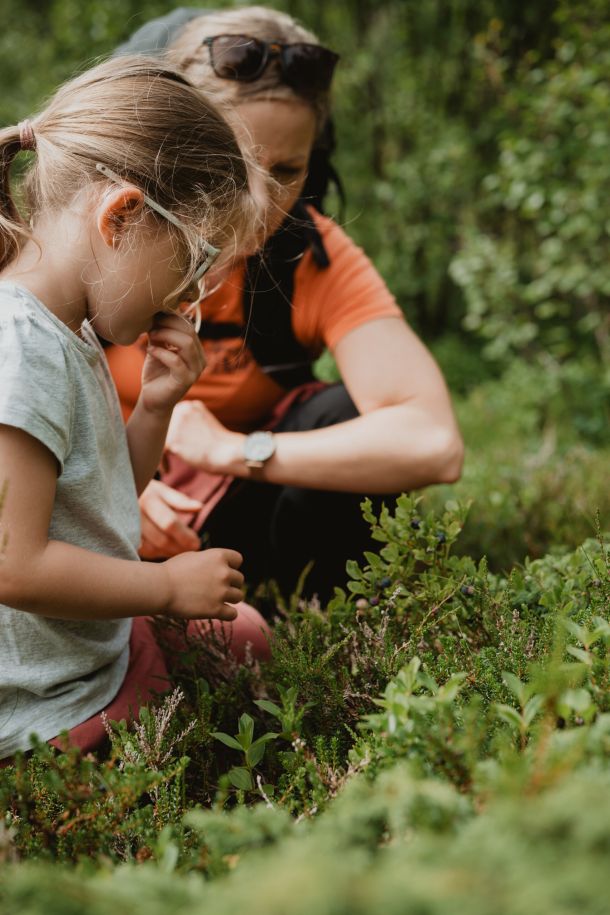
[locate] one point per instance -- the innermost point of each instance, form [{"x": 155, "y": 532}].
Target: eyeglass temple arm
[{"x": 209, "y": 249}]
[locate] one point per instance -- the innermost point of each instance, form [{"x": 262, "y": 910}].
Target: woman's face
[{"x": 283, "y": 133}]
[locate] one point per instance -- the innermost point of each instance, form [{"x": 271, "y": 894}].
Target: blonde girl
[{"x": 136, "y": 184}]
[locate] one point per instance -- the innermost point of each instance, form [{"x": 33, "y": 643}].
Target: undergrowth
[{"x": 433, "y": 718}]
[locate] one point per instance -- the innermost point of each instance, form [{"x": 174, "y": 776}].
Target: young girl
[{"x": 136, "y": 183}]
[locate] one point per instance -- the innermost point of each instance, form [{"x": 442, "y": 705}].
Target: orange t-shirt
[{"x": 327, "y": 304}]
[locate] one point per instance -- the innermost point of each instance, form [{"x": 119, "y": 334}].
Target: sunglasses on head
[{"x": 305, "y": 67}]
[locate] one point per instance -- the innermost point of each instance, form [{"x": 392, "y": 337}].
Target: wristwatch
[{"x": 258, "y": 448}]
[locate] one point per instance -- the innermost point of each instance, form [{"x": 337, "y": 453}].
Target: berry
[
  {"x": 385, "y": 582},
  {"x": 416, "y": 524},
  {"x": 374, "y": 601},
  {"x": 440, "y": 537},
  {"x": 362, "y": 603},
  {"x": 467, "y": 590}
]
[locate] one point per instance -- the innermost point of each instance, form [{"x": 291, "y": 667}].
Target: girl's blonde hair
[
  {"x": 146, "y": 122},
  {"x": 192, "y": 57}
]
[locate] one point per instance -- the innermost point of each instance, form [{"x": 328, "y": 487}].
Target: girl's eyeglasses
[
  {"x": 210, "y": 253},
  {"x": 306, "y": 67},
  {"x": 189, "y": 310}
]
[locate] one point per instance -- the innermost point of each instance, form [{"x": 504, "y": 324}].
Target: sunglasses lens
[
  {"x": 237, "y": 57},
  {"x": 308, "y": 67}
]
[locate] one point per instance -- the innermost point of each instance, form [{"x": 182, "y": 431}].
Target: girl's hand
[
  {"x": 202, "y": 585},
  {"x": 164, "y": 532},
  {"x": 174, "y": 361},
  {"x": 197, "y": 437}
]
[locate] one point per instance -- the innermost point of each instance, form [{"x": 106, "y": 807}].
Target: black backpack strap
[{"x": 267, "y": 301}]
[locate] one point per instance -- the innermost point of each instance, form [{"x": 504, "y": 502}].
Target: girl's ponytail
[{"x": 12, "y": 225}]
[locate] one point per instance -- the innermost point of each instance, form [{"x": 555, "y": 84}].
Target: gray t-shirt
[{"x": 56, "y": 386}]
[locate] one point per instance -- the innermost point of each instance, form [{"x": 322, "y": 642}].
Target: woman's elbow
[{"x": 450, "y": 457}]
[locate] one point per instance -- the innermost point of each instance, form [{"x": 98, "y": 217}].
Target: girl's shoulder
[{"x": 26, "y": 322}]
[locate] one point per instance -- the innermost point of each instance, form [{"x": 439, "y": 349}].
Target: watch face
[{"x": 259, "y": 446}]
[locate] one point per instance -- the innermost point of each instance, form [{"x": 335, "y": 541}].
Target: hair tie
[{"x": 27, "y": 138}]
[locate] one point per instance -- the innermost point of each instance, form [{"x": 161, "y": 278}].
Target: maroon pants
[{"x": 148, "y": 675}]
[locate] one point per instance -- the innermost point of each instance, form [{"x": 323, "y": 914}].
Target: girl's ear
[{"x": 117, "y": 211}]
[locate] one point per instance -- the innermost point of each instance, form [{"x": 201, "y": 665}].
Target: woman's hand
[
  {"x": 174, "y": 361},
  {"x": 197, "y": 437},
  {"x": 164, "y": 531}
]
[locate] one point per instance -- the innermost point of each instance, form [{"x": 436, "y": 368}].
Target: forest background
[{"x": 472, "y": 139}]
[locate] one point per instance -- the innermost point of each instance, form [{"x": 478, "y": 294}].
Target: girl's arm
[
  {"x": 406, "y": 436},
  {"x": 174, "y": 360},
  {"x": 59, "y": 580}
]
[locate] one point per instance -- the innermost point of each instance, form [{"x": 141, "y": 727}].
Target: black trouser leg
[{"x": 280, "y": 529}]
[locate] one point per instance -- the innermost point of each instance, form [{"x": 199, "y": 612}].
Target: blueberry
[
  {"x": 385, "y": 582},
  {"x": 467, "y": 590},
  {"x": 416, "y": 524},
  {"x": 440, "y": 537},
  {"x": 373, "y": 601},
  {"x": 362, "y": 603}
]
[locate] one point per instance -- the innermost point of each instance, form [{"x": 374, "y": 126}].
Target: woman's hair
[
  {"x": 192, "y": 57},
  {"x": 145, "y": 121}
]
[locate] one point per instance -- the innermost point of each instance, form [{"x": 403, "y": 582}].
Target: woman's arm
[
  {"x": 63, "y": 581},
  {"x": 406, "y": 436}
]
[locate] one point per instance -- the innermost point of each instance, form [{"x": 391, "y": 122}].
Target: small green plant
[
  {"x": 252, "y": 751},
  {"x": 290, "y": 715}
]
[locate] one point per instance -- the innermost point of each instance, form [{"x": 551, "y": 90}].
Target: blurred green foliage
[{"x": 537, "y": 458}]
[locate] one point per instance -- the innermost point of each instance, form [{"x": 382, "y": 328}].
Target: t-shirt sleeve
[
  {"x": 35, "y": 388},
  {"x": 345, "y": 295}
]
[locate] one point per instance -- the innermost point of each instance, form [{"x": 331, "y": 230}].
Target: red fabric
[{"x": 146, "y": 675}]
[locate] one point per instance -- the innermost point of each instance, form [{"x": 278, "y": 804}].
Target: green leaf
[
  {"x": 240, "y": 778},
  {"x": 532, "y": 707},
  {"x": 577, "y": 700},
  {"x": 580, "y": 655},
  {"x": 270, "y": 707},
  {"x": 517, "y": 688},
  {"x": 227, "y": 740},
  {"x": 246, "y": 731},
  {"x": 254, "y": 754},
  {"x": 510, "y": 715},
  {"x": 353, "y": 570},
  {"x": 265, "y": 738}
]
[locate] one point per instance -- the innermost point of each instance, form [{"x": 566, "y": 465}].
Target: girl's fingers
[
  {"x": 236, "y": 579},
  {"x": 172, "y": 361},
  {"x": 233, "y": 558},
  {"x": 229, "y": 613},
  {"x": 234, "y": 595},
  {"x": 172, "y": 336}
]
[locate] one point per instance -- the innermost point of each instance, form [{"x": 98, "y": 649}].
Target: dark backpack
[{"x": 269, "y": 278}]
